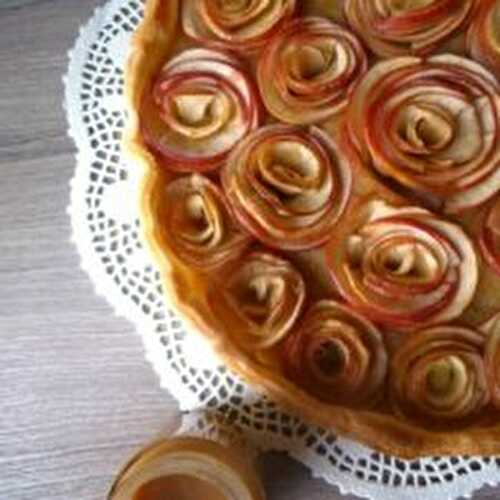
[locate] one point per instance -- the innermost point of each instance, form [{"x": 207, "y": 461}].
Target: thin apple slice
[
  {"x": 201, "y": 105},
  {"x": 239, "y": 26},
  {"x": 404, "y": 268},
  {"x": 393, "y": 28},
  {"x": 308, "y": 71},
  {"x": 489, "y": 239},
  {"x": 431, "y": 125},
  {"x": 288, "y": 186},
  {"x": 491, "y": 328},
  {"x": 337, "y": 355},
  {"x": 258, "y": 299},
  {"x": 197, "y": 225},
  {"x": 483, "y": 37},
  {"x": 438, "y": 377}
]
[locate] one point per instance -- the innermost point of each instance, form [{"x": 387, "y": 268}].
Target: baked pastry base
[{"x": 156, "y": 40}]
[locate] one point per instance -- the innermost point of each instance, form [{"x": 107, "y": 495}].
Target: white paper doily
[{"x": 105, "y": 230}]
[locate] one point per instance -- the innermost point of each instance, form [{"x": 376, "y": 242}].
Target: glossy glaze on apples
[{"x": 337, "y": 259}]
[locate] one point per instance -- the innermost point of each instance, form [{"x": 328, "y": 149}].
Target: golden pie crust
[{"x": 157, "y": 38}]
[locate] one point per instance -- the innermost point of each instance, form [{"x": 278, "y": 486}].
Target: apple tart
[{"x": 321, "y": 194}]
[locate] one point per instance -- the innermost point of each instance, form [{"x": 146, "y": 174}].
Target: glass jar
[{"x": 190, "y": 468}]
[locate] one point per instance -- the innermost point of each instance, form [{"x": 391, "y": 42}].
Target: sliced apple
[
  {"x": 403, "y": 267},
  {"x": 483, "y": 37},
  {"x": 241, "y": 26},
  {"x": 201, "y": 105},
  {"x": 288, "y": 186},
  {"x": 197, "y": 225},
  {"x": 258, "y": 299},
  {"x": 394, "y": 28},
  {"x": 489, "y": 239},
  {"x": 432, "y": 126},
  {"x": 308, "y": 71},
  {"x": 337, "y": 355},
  {"x": 491, "y": 328},
  {"x": 438, "y": 377}
]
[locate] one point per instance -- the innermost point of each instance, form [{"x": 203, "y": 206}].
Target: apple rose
[
  {"x": 307, "y": 72},
  {"x": 483, "y": 38},
  {"x": 288, "y": 186},
  {"x": 432, "y": 127},
  {"x": 201, "y": 105},
  {"x": 489, "y": 240},
  {"x": 244, "y": 25},
  {"x": 394, "y": 28},
  {"x": 492, "y": 357},
  {"x": 337, "y": 355},
  {"x": 437, "y": 376},
  {"x": 404, "y": 267},
  {"x": 197, "y": 224},
  {"x": 259, "y": 299}
]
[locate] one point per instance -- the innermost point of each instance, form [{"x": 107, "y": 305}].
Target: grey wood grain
[{"x": 76, "y": 396}]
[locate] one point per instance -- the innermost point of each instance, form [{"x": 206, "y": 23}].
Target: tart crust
[{"x": 186, "y": 289}]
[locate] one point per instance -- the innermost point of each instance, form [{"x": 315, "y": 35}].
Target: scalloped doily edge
[{"x": 89, "y": 264}]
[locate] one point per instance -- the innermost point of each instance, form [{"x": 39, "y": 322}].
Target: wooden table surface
[{"x": 76, "y": 395}]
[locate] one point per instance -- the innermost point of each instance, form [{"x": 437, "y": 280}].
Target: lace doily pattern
[{"x": 106, "y": 231}]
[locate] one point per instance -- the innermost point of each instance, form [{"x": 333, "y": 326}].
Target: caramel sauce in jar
[
  {"x": 186, "y": 468},
  {"x": 179, "y": 487}
]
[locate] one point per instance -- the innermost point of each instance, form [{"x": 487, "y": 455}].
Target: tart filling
[
  {"x": 337, "y": 355},
  {"x": 489, "y": 239},
  {"x": 404, "y": 267},
  {"x": 492, "y": 356},
  {"x": 483, "y": 37},
  {"x": 243, "y": 25},
  {"x": 202, "y": 103},
  {"x": 198, "y": 225},
  {"x": 431, "y": 126},
  {"x": 288, "y": 186},
  {"x": 307, "y": 73},
  {"x": 438, "y": 376},
  {"x": 260, "y": 301},
  {"x": 394, "y": 28},
  {"x": 313, "y": 208}
]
